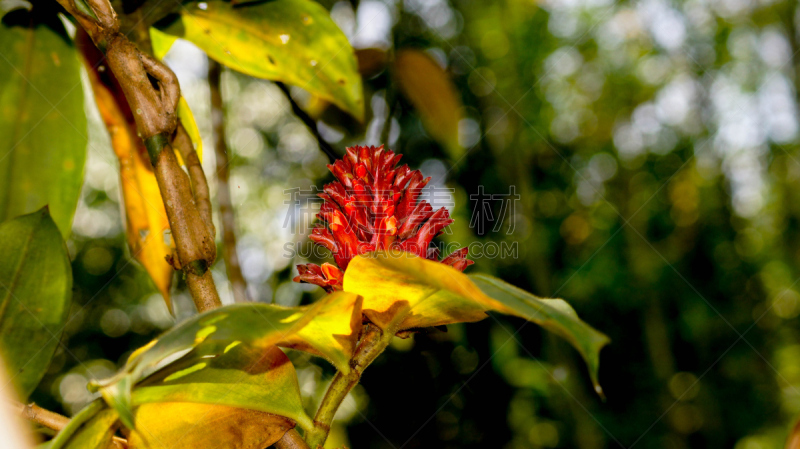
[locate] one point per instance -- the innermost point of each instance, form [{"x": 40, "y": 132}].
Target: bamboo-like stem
[
  {"x": 372, "y": 344},
  {"x": 154, "y": 108},
  {"x": 202, "y": 195},
  {"x": 309, "y": 122},
  {"x": 291, "y": 440},
  {"x": 227, "y": 218}
]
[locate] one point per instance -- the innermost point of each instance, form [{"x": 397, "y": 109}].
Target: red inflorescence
[{"x": 374, "y": 205}]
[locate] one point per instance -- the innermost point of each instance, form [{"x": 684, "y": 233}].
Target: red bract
[{"x": 374, "y": 205}]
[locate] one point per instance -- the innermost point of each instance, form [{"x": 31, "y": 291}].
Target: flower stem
[{"x": 372, "y": 344}]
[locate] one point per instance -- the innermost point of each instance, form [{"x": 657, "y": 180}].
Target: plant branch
[
  {"x": 152, "y": 92},
  {"x": 291, "y": 440},
  {"x": 372, "y": 344},
  {"x": 46, "y": 418},
  {"x": 310, "y": 123},
  {"x": 53, "y": 420},
  {"x": 202, "y": 195},
  {"x": 227, "y": 218}
]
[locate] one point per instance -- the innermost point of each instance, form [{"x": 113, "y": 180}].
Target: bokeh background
[{"x": 654, "y": 148}]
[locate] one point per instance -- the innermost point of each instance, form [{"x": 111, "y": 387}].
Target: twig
[
  {"x": 229, "y": 253},
  {"x": 372, "y": 344},
  {"x": 54, "y": 421},
  {"x": 33, "y": 412},
  {"x": 291, "y": 440},
  {"x": 152, "y": 92},
  {"x": 310, "y": 123}
]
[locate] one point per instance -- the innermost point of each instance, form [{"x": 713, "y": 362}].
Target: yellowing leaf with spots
[
  {"x": 429, "y": 88},
  {"x": 42, "y": 122},
  {"x": 146, "y": 224},
  {"x": 294, "y": 41},
  {"x": 179, "y": 425},
  {"x": 174, "y": 425},
  {"x": 333, "y": 333},
  {"x": 403, "y": 291}
]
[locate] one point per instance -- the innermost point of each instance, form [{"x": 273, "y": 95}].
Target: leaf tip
[{"x": 599, "y": 390}]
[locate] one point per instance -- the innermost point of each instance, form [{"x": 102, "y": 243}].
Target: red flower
[{"x": 374, "y": 205}]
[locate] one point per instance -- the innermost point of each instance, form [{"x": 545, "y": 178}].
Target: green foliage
[
  {"x": 35, "y": 296},
  {"x": 247, "y": 376},
  {"x": 85, "y": 421},
  {"x": 96, "y": 433},
  {"x": 555, "y": 315},
  {"x": 41, "y": 119},
  {"x": 293, "y": 41},
  {"x": 406, "y": 292},
  {"x": 210, "y": 340}
]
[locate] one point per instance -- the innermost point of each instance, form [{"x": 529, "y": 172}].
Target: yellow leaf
[
  {"x": 188, "y": 122},
  {"x": 406, "y": 292},
  {"x": 403, "y": 291},
  {"x": 177, "y": 425},
  {"x": 146, "y": 219},
  {"x": 333, "y": 333},
  {"x": 429, "y": 88},
  {"x": 161, "y": 43}
]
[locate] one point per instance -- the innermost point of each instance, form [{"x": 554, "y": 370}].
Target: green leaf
[
  {"x": 294, "y": 41},
  {"x": 227, "y": 357},
  {"x": 437, "y": 101},
  {"x": 35, "y": 295},
  {"x": 207, "y": 334},
  {"x": 245, "y": 376},
  {"x": 42, "y": 121},
  {"x": 403, "y": 292},
  {"x": 77, "y": 423},
  {"x": 555, "y": 315},
  {"x": 97, "y": 433}
]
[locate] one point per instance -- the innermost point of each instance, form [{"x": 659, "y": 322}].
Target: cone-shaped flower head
[{"x": 374, "y": 205}]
